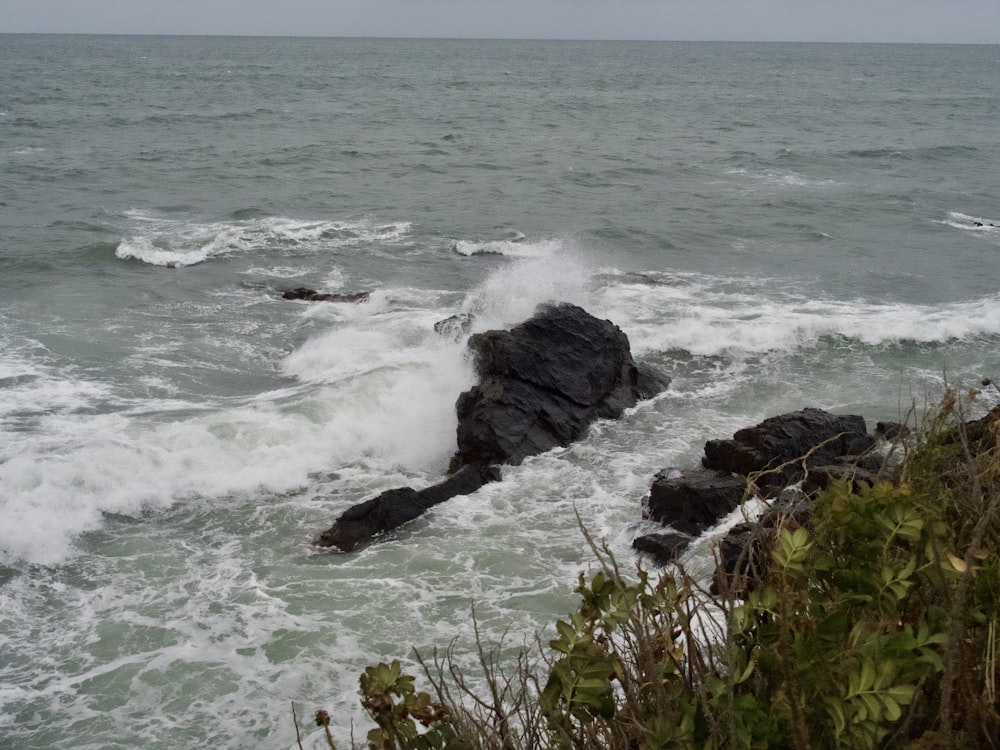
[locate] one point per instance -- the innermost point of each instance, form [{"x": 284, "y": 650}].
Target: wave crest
[{"x": 172, "y": 242}]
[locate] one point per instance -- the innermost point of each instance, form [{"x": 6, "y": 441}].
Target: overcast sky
[{"x": 975, "y": 21}]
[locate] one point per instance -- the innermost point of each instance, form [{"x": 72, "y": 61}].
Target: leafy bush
[{"x": 872, "y": 624}]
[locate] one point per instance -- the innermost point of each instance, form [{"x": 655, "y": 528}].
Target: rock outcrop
[
  {"x": 692, "y": 501},
  {"x": 393, "y": 508},
  {"x": 808, "y": 448},
  {"x": 824, "y": 437},
  {"x": 543, "y": 383}
]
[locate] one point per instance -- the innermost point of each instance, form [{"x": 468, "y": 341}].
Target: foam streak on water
[
  {"x": 174, "y": 242},
  {"x": 773, "y": 227}
]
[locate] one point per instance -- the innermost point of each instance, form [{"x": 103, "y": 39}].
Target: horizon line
[{"x": 481, "y": 38}]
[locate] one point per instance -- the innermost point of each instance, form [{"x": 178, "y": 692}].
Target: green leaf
[
  {"x": 892, "y": 709},
  {"x": 836, "y": 711},
  {"x": 932, "y": 658},
  {"x": 746, "y": 673},
  {"x": 867, "y": 675},
  {"x": 872, "y": 704},
  {"x": 566, "y": 631}
]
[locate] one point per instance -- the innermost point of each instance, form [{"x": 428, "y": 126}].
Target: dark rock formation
[
  {"x": 393, "y": 508},
  {"x": 778, "y": 440},
  {"x": 891, "y": 430},
  {"x": 650, "y": 382},
  {"x": 838, "y": 448},
  {"x": 454, "y": 327},
  {"x": 542, "y": 384},
  {"x": 692, "y": 501},
  {"x": 311, "y": 295},
  {"x": 663, "y": 546},
  {"x": 742, "y": 558}
]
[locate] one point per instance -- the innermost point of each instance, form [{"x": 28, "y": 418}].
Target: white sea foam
[
  {"x": 191, "y": 633},
  {"x": 706, "y": 317},
  {"x": 986, "y": 226},
  {"x": 59, "y": 485},
  {"x": 169, "y": 241},
  {"x": 515, "y": 248},
  {"x": 783, "y": 178},
  {"x": 278, "y": 272},
  {"x": 31, "y": 387},
  {"x": 377, "y": 388}
]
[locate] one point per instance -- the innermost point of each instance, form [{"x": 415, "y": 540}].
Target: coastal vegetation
[{"x": 871, "y": 621}]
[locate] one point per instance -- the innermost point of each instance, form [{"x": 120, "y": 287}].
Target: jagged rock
[
  {"x": 542, "y": 384},
  {"x": 649, "y": 382},
  {"x": 692, "y": 501},
  {"x": 742, "y": 556},
  {"x": 790, "y": 436},
  {"x": 664, "y": 547},
  {"x": 839, "y": 449},
  {"x": 454, "y": 327},
  {"x": 391, "y": 509},
  {"x": 311, "y": 295}
]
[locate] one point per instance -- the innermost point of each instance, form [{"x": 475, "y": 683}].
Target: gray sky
[{"x": 962, "y": 21}]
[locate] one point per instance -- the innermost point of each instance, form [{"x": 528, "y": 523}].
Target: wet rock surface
[
  {"x": 391, "y": 509},
  {"x": 790, "y": 457},
  {"x": 311, "y": 295},
  {"x": 690, "y": 502},
  {"x": 543, "y": 383},
  {"x": 813, "y": 435}
]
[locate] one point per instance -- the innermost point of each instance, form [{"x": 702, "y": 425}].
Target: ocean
[{"x": 774, "y": 226}]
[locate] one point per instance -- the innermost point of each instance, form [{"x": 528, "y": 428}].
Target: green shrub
[{"x": 873, "y": 625}]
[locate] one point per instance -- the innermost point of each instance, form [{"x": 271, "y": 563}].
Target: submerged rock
[
  {"x": 393, "y": 508},
  {"x": 543, "y": 383},
  {"x": 311, "y": 295}
]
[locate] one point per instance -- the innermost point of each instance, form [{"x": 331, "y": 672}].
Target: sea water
[{"x": 773, "y": 226}]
